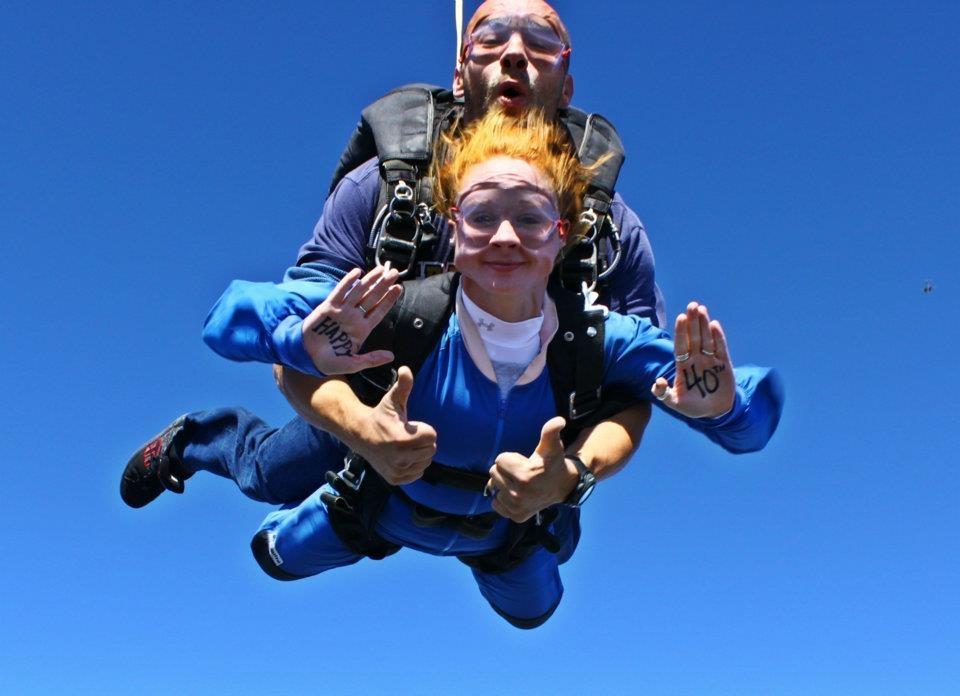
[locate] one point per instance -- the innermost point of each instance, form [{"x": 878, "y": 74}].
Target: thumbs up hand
[
  {"x": 523, "y": 486},
  {"x": 398, "y": 449}
]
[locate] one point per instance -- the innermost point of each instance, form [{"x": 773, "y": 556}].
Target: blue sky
[{"x": 797, "y": 167}]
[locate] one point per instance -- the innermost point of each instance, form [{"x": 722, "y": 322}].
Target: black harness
[
  {"x": 401, "y": 130},
  {"x": 412, "y": 329}
]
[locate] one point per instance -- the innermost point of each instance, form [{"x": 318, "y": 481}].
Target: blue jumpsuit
[
  {"x": 453, "y": 395},
  {"x": 281, "y": 465}
]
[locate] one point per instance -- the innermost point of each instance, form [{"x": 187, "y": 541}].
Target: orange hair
[{"x": 539, "y": 142}]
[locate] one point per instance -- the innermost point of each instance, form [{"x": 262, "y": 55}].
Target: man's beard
[{"x": 478, "y": 101}]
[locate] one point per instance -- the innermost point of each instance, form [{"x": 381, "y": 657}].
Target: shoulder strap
[
  {"x": 398, "y": 125},
  {"x": 410, "y": 330},
  {"x": 593, "y": 258},
  {"x": 401, "y": 129},
  {"x": 575, "y": 361},
  {"x": 595, "y": 137},
  {"x": 575, "y": 358}
]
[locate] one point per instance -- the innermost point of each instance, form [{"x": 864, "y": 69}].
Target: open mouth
[{"x": 511, "y": 93}]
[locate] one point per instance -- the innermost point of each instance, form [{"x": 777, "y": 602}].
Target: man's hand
[
  {"x": 335, "y": 330},
  {"x": 704, "y": 385},
  {"x": 523, "y": 486},
  {"x": 398, "y": 449}
]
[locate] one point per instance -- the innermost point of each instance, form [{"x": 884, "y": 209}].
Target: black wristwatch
[{"x": 585, "y": 484}]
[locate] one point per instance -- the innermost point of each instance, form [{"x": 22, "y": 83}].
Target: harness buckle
[
  {"x": 402, "y": 191},
  {"x": 400, "y": 253},
  {"x": 613, "y": 236},
  {"x": 430, "y": 268},
  {"x": 585, "y": 409},
  {"x": 400, "y": 233},
  {"x": 591, "y": 264},
  {"x": 600, "y": 227},
  {"x": 353, "y": 471},
  {"x": 589, "y": 217}
]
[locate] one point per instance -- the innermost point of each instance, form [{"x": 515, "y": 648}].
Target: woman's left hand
[{"x": 704, "y": 386}]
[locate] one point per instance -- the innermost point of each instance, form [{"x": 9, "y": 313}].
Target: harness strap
[
  {"x": 438, "y": 474},
  {"x": 355, "y": 506},
  {"x": 575, "y": 359},
  {"x": 593, "y": 259},
  {"x": 401, "y": 130},
  {"x": 411, "y": 330},
  {"x": 522, "y": 541},
  {"x": 471, "y": 526},
  {"x": 597, "y": 141}
]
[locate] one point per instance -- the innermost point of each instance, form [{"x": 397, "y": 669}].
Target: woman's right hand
[{"x": 335, "y": 330}]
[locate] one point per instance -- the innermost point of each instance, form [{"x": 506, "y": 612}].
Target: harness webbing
[
  {"x": 411, "y": 330},
  {"x": 401, "y": 128}
]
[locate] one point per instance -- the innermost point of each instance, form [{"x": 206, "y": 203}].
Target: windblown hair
[{"x": 539, "y": 142}]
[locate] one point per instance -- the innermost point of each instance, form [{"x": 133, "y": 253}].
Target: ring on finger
[
  {"x": 661, "y": 397},
  {"x": 709, "y": 353},
  {"x": 683, "y": 357},
  {"x": 362, "y": 308}
]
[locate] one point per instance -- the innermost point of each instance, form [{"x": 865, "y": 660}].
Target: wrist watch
[{"x": 585, "y": 484}]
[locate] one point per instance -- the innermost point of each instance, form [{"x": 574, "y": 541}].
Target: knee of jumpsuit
[
  {"x": 273, "y": 465},
  {"x": 527, "y": 595},
  {"x": 292, "y": 462},
  {"x": 304, "y": 542}
]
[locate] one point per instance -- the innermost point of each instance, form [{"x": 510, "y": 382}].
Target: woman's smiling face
[{"x": 507, "y": 233}]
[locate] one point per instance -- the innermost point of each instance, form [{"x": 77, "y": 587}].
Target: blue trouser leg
[
  {"x": 304, "y": 542},
  {"x": 273, "y": 465},
  {"x": 527, "y": 595}
]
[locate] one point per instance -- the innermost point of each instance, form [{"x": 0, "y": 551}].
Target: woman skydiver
[{"x": 510, "y": 187}]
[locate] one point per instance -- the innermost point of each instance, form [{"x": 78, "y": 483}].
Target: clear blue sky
[{"x": 797, "y": 167}]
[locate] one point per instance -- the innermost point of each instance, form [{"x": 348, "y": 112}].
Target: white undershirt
[{"x": 516, "y": 343}]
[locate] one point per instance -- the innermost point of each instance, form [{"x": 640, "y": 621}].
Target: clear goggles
[
  {"x": 539, "y": 38},
  {"x": 533, "y": 225}
]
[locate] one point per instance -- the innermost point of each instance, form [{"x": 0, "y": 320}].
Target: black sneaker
[{"x": 155, "y": 467}]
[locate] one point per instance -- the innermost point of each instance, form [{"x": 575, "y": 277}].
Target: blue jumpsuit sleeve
[
  {"x": 263, "y": 321},
  {"x": 632, "y": 286},
  {"x": 637, "y": 353}
]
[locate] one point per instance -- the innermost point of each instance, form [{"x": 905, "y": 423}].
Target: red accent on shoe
[{"x": 152, "y": 451}]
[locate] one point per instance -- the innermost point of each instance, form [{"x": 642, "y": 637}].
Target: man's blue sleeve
[
  {"x": 632, "y": 286},
  {"x": 340, "y": 236},
  {"x": 637, "y": 353},
  {"x": 264, "y": 322}
]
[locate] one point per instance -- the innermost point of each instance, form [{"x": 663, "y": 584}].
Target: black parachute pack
[
  {"x": 401, "y": 129},
  {"x": 411, "y": 330}
]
